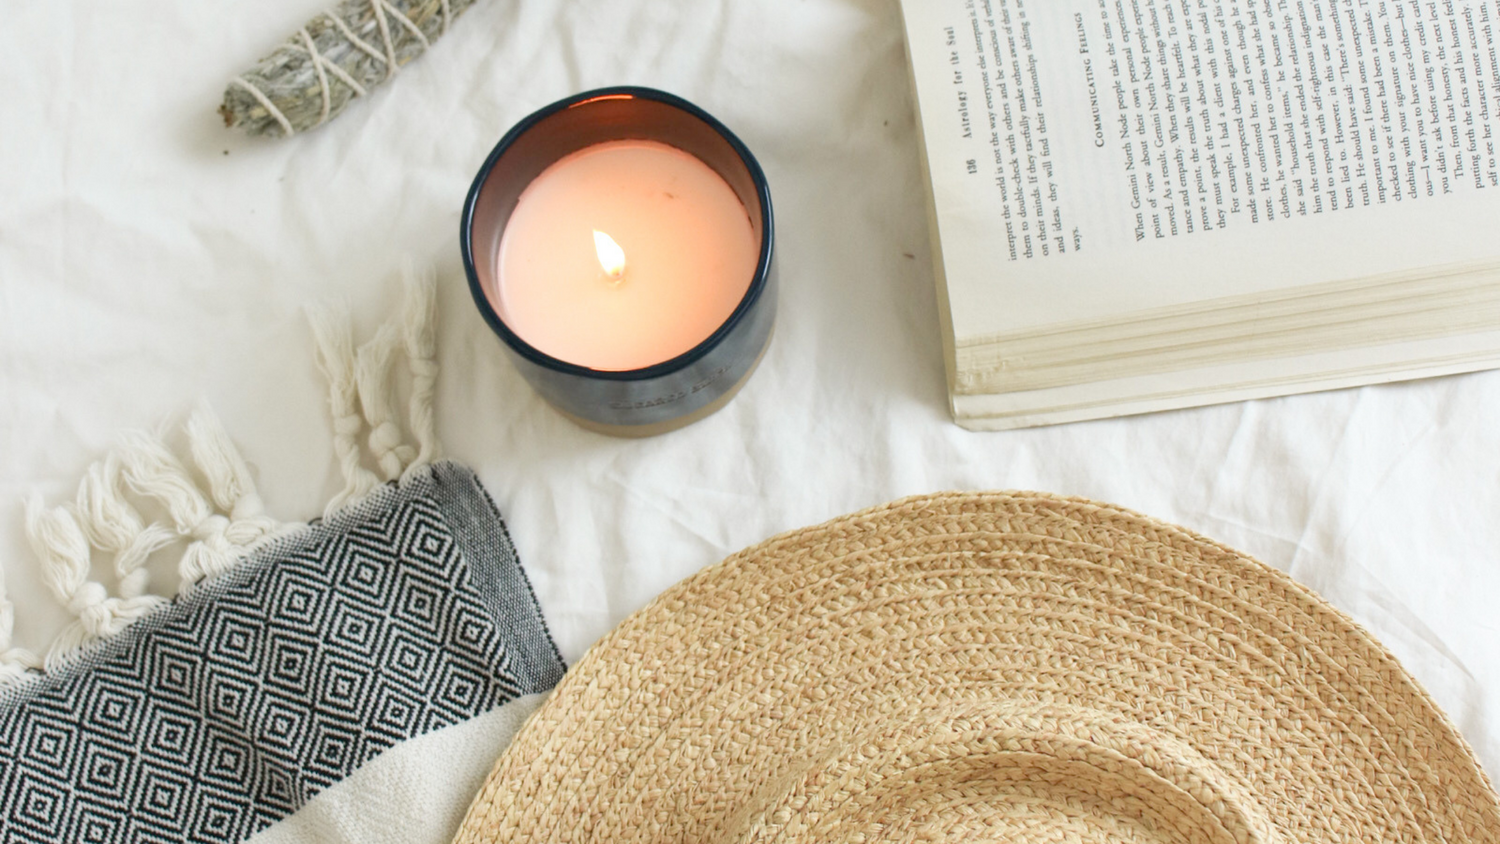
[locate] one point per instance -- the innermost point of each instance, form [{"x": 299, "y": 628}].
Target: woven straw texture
[{"x": 996, "y": 667}]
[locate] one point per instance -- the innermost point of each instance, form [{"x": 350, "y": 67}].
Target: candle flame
[{"x": 611, "y": 256}]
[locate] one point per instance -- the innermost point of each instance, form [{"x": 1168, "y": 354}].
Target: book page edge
[
  {"x": 934, "y": 235},
  {"x": 1269, "y": 389}
]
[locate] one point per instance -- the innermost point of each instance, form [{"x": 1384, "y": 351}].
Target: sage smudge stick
[{"x": 336, "y": 57}]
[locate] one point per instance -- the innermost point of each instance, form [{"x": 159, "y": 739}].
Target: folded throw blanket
[{"x": 347, "y": 680}]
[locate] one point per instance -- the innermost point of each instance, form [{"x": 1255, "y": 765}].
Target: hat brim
[{"x": 977, "y": 666}]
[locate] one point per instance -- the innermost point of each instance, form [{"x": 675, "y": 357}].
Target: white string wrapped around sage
[{"x": 339, "y": 55}]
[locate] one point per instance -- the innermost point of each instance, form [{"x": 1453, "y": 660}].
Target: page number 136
[{"x": 972, "y": 166}]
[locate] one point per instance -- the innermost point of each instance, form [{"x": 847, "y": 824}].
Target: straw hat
[{"x": 1006, "y": 667}]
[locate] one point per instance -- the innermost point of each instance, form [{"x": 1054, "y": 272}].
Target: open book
[{"x": 1148, "y": 204}]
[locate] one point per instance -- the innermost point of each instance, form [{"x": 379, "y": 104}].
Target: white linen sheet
[{"x": 149, "y": 258}]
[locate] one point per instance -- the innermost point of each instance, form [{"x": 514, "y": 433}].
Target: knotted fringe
[
  {"x": 372, "y": 375},
  {"x": 359, "y": 387},
  {"x": 222, "y": 519},
  {"x": 334, "y": 340},
  {"x": 113, "y": 525},
  {"x": 65, "y": 553},
  {"x": 102, "y": 518},
  {"x": 216, "y": 541}
]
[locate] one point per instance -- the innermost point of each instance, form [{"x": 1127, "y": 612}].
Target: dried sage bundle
[{"x": 337, "y": 56}]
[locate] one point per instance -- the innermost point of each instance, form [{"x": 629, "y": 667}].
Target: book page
[
  {"x": 1091, "y": 158},
  {"x": 1231, "y": 381}
]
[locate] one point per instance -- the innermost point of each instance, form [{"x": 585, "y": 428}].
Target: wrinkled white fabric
[{"x": 149, "y": 257}]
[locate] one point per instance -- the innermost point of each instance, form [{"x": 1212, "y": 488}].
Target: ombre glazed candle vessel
[{"x": 620, "y": 243}]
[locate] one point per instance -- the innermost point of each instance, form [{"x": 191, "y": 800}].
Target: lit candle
[
  {"x": 620, "y": 244},
  {"x": 623, "y": 255}
]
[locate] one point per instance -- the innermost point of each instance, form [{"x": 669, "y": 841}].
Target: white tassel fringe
[
  {"x": 64, "y": 551},
  {"x": 372, "y": 375},
  {"x": 334, "y": 342},
  {"x": 419, "y": 330},
  {"x": 224, "y": 522},
  {"x": 228, "y": 475},
  {"x": 112, "y": 525},
  {"x": 153, "y": 471}
]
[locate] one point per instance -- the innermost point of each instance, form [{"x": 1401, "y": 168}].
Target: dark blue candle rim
[{"x": 526, "y": 350}]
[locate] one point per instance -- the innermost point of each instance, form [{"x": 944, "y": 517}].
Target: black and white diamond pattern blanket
[{"x": 348, "y": 680}]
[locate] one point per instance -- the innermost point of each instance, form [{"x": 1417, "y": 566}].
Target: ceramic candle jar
[{"x": 620, "y": 243}]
